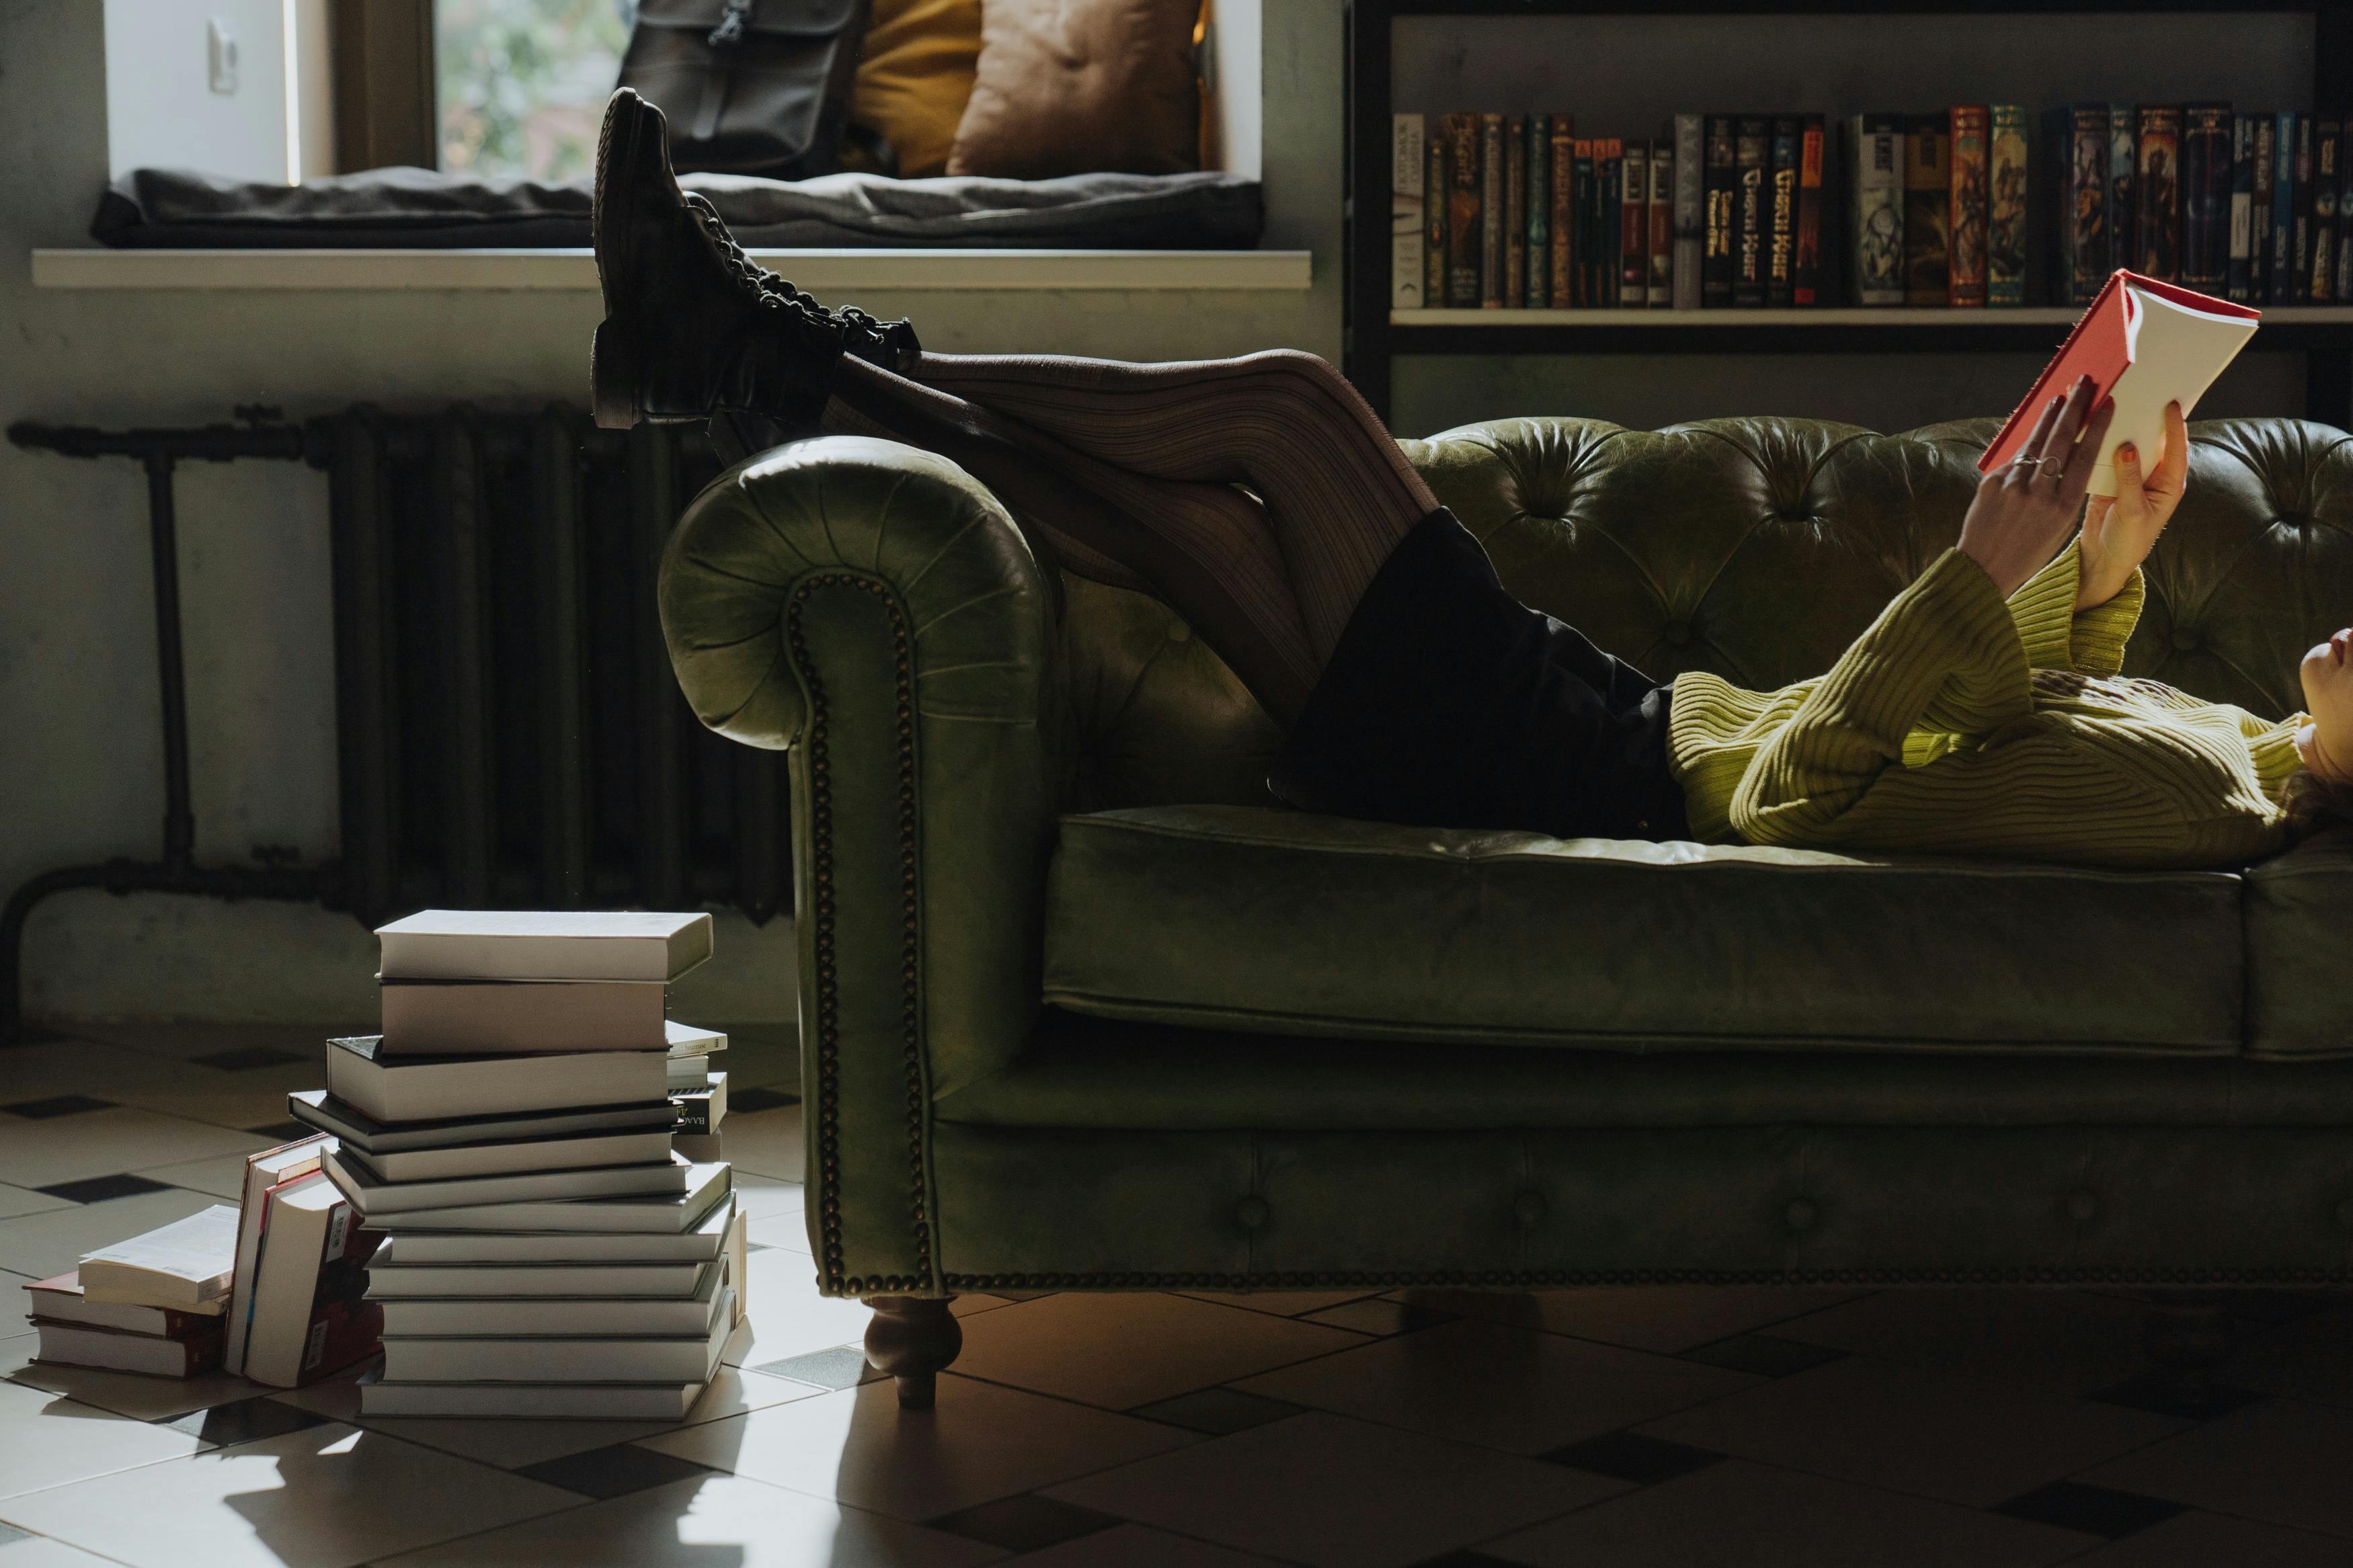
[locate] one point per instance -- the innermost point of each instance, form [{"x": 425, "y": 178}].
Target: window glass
[{"x": 524, "y": 83}]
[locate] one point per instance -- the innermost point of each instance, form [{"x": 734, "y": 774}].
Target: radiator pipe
[{"x": 262, "y": 435}]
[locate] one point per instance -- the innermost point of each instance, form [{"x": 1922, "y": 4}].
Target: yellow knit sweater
[{"x": 1961, "y": 724}]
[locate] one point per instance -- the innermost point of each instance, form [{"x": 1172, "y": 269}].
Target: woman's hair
[{"x": 2315, "y": 805}]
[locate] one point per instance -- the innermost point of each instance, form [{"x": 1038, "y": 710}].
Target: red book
[
  {"x": 59, "y": 1300},
  {"x": 2145, "y": 343}
]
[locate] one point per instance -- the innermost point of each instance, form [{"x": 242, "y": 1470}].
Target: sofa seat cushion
[
  {"x": 1284, "y": 922},
  {"x": 2299, "y": 926}
]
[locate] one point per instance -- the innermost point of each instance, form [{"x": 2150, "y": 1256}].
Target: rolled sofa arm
[{"x": 872, "y": 607}]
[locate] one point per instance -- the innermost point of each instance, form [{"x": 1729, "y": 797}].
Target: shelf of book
[{"x": 1959, "y": 319}]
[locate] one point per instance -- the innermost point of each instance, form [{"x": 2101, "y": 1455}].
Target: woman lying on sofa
[{"x": 1981, "y": 713}]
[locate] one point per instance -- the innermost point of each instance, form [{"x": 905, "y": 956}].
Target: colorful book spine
[
  {"x": 1515, "y": 283},
  {"x": 1491, "y": 212},
  {"x": 2007, "y": 189},
  {"x": 1563, "y": 221},
  {"x": 1434, "y": 184},
  {"x": 2158, "y": 187},
  {"x": 1753, "y": 150},
  {"x": 1407, "y": 234},
  {"x": 1538, "y": 137},
  {"x": 1967, "y": 215},
  {"x": 1662, "y": 224},
  {"x": 2259, "y": 213},
  {"x": 2344, "y": 279},
  {"x": 2083, "y": 232},
  {"x": 2326, "y": 157},
  {"x": 1806, "y": 269},
  {"x": 1690, "y": 209},
  {"x": 1582, "y": 184},
  {"x": 1720, "y": 199},
  {"x": 1878, "y": 186},
  {"x": 2205, "y": 256},
  {"x": 1635, "y": 225},
  {"x": 2281, "y": 260},
  {"x": 2124, "y": 166},
  {"x": 1609, "y": 196},
  {"x": 1927, "y": 210},
  {"x": 2299, "y": 276},
  {"x": 1781, "y": 213},
  {"x": 2239, "y": 248},
  {"x": 1462, "y": 224}
]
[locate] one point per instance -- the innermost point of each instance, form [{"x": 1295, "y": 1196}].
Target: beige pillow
[{"x": 1081, "y": 87}]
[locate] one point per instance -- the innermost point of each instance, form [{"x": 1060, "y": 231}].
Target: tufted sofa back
[{"x": 1754, "y": 548}]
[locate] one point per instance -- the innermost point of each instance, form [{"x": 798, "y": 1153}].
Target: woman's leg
[
  {"x": 1205, "y": 547},
  {"x": 1339, "y": 494}
]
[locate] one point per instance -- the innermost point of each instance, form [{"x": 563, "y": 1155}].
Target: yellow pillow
[{"x": 915, "y": 76}]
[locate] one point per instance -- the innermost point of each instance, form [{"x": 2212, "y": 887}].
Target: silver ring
[{"x": 2023, "y": 461}]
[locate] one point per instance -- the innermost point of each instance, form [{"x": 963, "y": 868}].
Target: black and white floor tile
[{"x": 1641, "y": 1428}]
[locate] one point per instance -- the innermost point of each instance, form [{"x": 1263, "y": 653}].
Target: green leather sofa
[{"x": 1083, "y": 1009}]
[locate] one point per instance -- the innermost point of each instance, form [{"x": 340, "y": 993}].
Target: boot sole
[{"x": 613, "y": 353}]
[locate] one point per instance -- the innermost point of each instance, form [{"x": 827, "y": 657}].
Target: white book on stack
[
  {"x": 186, "y": 1265},
  {"x": 532, "y": 1401},
  {"x": 543, "y": 944},
  {"x": 374, "y": 1197},
  {"x": 699, "y": 1243},
  {"x": 668, "y": 1215},
  {"x": 630, "y": 1146},
  {"x": 262, "y": 1172},
  {"x": 432, "y": 1088},
  {"x": 585, "y": 1316},
  {"x": 461, "y": 1018},
  {"x": 664, "y": 1358},
  {"x": 359, "y": 1131},
  {"x": 536, "y": 1281}
]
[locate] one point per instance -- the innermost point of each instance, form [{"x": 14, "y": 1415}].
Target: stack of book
[
  {"x": 546, "y": 1252},
  {"x": 1974, "y": 204},
  {"x": 156, "y": 1303}
]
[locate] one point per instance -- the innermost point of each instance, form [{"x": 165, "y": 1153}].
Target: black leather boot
[{"x": 691, "y": 326}]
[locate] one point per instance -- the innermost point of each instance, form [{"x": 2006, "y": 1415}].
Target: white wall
[
  {"x": 78, "y": 751},
  {"x": 161, "y": 109}
]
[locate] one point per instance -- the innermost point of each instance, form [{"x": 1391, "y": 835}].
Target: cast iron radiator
[{"x": 509, "y": 732}]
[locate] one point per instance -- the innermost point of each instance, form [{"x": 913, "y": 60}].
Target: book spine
[
  {"x": 2299, "y": 271},
  {"x": 1463, "y": 211},
  {"x": 2344, "y": 279},
  {"x": 2279, "y": 258},
  {"x": 1879, "y": 209},
  {"x": 1966, "y": 220},
  {"x": 1635, "y": 225},
  {"x": 1927, "y": 210},
  {"x": 1662, "y": 245},
  {"x": 2006, "y": 205},
  {"x": 1563, "y": 220},
  {"x": 1491, "y": 212},
  {"x": 1690, "y": 210},
  {"x": 1514, "y": 281},
  {"x": 2084, "y": 234},
  {"x": 1752, "y": 151},
  {"x": 1581, "y": 182},
  {"x": 2158, "y": 188},
  {"x": 1608, "y": 221},
  {"x": 2238, "y": 250},
  {"x": 1806, "y": 261},
  {"x": 2324, "y": 158},
  {"x": 1435, "y": 185},
  {"x": 1408, "y": 170},
  {"x": 2124, "y": 166},
  {"x": 1719, "y": 227},
  {"x": 1538, "y": 138},
  {"x": 1781, "y": 213},
  {"x": 2259, "y": 214},
  {"x": 2205, "y": 182}
]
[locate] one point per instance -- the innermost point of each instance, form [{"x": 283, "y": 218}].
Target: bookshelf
[{"x": 1477, "y": 38}]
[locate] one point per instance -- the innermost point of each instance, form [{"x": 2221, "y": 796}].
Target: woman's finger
[
  {"x": 2173, "y": 470},
  {"x": 2032, "y": 446},
  {"x": 2086, "y": 454},
  {"x": 2129, "y": 502},
  {"x": 2057, "y": 445}
]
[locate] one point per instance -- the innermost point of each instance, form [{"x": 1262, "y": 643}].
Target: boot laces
[{"x": 857, "y": 331}]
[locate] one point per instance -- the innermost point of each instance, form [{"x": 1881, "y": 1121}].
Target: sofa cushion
[
  {"x": 1291, "y": 923},
  {"x": 2299, "y": 926}
]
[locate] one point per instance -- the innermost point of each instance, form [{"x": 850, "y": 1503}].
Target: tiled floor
[{"x": 1649, "y": 1428}]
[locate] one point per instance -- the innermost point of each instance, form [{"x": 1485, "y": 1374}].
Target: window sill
[{"x": 818, "y": 270}]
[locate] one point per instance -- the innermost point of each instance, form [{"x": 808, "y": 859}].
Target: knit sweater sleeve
[
  {"x": 2057, "y": 635},
  {"x": 1944, "y": 653}
]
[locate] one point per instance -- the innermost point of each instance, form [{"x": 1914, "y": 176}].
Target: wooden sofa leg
[
  {"x": 912, "y": 1338},
  {"x": 2187, "y": 1334}
]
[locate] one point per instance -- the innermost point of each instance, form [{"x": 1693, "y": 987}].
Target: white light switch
[{"x": 220, "y": 55}]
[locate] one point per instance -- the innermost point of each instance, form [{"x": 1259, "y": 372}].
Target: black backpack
[{"x": 751, "y": 87}]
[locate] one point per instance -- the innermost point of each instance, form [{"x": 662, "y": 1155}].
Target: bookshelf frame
[{"x": 1374, "y": 336}]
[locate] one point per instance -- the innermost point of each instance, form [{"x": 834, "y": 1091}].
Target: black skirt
[{"x": 1448, "y": 703}]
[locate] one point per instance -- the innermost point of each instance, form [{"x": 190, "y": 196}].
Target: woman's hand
[
  {"x": 2025, "y": 510},
  {"x": 2120, "y": 531}
]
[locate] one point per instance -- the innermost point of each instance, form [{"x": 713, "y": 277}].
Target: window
[{"x": 523, "y": 83}]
